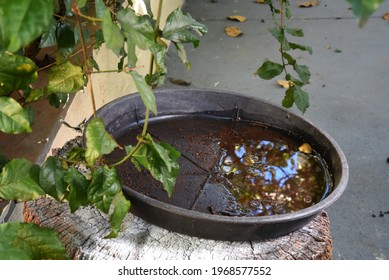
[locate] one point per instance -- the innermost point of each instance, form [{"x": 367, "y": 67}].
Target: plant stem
[
  {"x": 156, "y": 27},
  {"x": 92, "y": 19},
  {"x": 146, "y": 123},
  {"x": 129, "y": 155},
  {"x": 282, "y": 28},
  {"x": 77, "y": 12},
  {"x": 70, "y": 56}
]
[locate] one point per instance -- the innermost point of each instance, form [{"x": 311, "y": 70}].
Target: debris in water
[{"x": 305, "y": 148}]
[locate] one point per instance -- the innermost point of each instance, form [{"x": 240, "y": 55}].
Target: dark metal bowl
[{"x": 119, "y": 114}]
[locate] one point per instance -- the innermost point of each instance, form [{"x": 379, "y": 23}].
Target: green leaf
[
  {"x": 132, "y": 57},
  {"x": 161, "y": 160},
  {"x": 77, "y": 153},
  {"x": 3, "y": 161},
  {"x": 363, "y": 9},
  {"x": 23, "y": 21},
  {"x": 27, "y": 241},
  {"x": 289, "y": 58},
  {"x": 288, "y": 13},
  {"x": 19, "y": 181},
  {"x": 49, "y": 36},
  {"x": 155, "y": 80},
  {"x": 56, "y": 100},
  {"x": 121, "y": 207},
  {"x": 99, "y": 39},
  {"x": 288, "y": 100},
  {"x": 65, "y": 78},
  {"x": 35, "y": 95},
  {"x": 85, "y": 33},
  {"x": 98, "y": 141},
  {"x": 65, "y": 38},
  {"x": 182, "y": 54},
  {"x": 139, "y": 31},
  {"x": 93, "y": 63},
  {"x": 297, "y": 32},
  {"x": 16, "y": 72},
  {"x": 137, "y": 28},
  {"x": 148, "y": 8},
  {"x": 51, "y": 178},
  {"x": 301, "y": 99},
  {"x": 104, "y": 187},
  {"x": 100, "y": 8},
  {"x": 78, "y": 189},
  {"x": 145, "y": 91},
  {"x": 303, "y": 72},
  {"x": 294, "y": 46},
  {"x": 112, "y": 35},
  {"x": 13, "y": 118},
  {"x": 279, "y": 34},
  {"x": 178, "y": 28},
  {"x": 269, "y": 70},
  {"x": 159, "y": 53},
  {"x": 68, "y": 6}
]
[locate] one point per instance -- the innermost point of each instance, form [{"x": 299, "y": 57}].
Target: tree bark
[{"x": 83, "y": 236}]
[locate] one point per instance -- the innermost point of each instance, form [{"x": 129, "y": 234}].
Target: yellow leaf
[
  {"x": 237, "y": 18},
  {"x": 233, "y": 31},
  {"x": 386, "y": 16},
  {"x": 305, "y": 148},
  {"x": 308, "y": 4},
  {"x": 283, "y": 83},
  {"x": 259, "y": 1}
]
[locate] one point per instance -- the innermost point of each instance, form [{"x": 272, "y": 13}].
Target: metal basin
[{"x": 184, "y": 211}]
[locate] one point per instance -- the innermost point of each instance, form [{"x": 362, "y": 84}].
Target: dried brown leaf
[
  {"x": 305, "y": 148},
  {"x": 283, "y": 83},
  {"x": 237, "y": 18},
  {"x": 233, "y": 31},
  {"x": 386, "y": 16},
  {"x": 308, "y": 4},
  {"x": 259, "y": 1},
  {"x": 180, "y": 82}
]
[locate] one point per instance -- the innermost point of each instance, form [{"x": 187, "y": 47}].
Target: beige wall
[{"x": 107, "y": 86}]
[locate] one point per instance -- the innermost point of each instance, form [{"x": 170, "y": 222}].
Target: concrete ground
[{"x": 349, "y": 97}]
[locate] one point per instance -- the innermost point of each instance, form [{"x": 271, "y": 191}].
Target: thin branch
[
  {"x": 282, "y": 27},
  {"x": 76, "y": 11}
]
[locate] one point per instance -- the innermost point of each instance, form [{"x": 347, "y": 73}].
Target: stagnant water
[
  {"x": 269, "y": 173},
  {"x": 266, "y": 171}
]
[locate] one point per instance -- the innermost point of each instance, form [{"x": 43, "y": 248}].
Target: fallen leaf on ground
[
  {"x": 180, "y": 82},
  {"x": 259, "y": 1},
  {"x": 283, "y": 83},
  {"x": 233, "y": 31},
  {"x": 237, "y": 18},
  {"x": 305, "y": 148},
  {"x": 308, "y": 4},
  {"x": 386, "y": 16}
]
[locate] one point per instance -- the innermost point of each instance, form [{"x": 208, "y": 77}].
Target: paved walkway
[{"x": 349, "y": 97}]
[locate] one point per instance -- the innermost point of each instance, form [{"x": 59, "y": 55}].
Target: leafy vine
[
  {"x": 63, "y": 24},
  {"x": 294, "y": 93}
]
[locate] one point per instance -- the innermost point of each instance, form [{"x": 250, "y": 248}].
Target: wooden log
[{"x": 83, "y": 234}]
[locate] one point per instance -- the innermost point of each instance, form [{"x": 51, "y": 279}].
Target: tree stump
[{"x": 83, "y": 233}]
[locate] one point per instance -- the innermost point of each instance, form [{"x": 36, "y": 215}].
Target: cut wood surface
[{"x": 83, "y": 233}]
